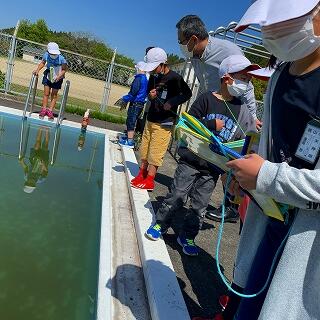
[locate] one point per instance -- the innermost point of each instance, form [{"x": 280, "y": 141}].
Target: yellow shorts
[{"x": 154, "y": 144}]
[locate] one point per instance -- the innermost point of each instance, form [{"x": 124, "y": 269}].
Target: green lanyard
[{"x": 225, "y": 102}]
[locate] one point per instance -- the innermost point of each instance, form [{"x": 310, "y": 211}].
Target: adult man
[{"x": 206, "y": 54}]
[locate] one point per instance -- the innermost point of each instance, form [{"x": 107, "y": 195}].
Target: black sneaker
[{"x": 231, "y": 215}]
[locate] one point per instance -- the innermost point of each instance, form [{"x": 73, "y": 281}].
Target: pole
[
  {"x": 11, "y": 56},
  {"x": 107, "y": 87}
]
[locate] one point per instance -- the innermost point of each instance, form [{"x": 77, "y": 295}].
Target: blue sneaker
[
  {"x": 154, "y": 232},
  {"x": 188, "y": 246},
  {"x": 126, "y": 143}
]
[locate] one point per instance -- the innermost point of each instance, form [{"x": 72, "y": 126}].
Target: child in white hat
[
  {"x": 52, "y": 77},
  {"x": 223, "y": 113},
  {"x": 286, "y": 169}
]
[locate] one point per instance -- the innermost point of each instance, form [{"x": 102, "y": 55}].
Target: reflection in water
[
  {"x": 81, "y": 140},
  {"x": 36, "y": 169},
  {"x": 49, "y": 242}
]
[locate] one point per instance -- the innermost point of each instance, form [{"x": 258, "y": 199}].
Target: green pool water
[{"x": 49, "y": 238}]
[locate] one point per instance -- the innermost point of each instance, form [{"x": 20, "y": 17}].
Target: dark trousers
[
  {"x": 276, "y": 231},
  {"x": 187, "y": 182},
  {"x": 133, "y": 115}
]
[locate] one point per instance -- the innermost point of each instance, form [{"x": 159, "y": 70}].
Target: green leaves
[
  {"x": 79, "y": 42},
  {"x": 2, "y": 77}
]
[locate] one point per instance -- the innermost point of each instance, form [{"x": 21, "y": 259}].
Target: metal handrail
[
  {"x": 24, "y": 138},
  {"x": 32, "y": 90},
  {"x": 55, "y": 146},
  {"x": 63, "y": 102}
]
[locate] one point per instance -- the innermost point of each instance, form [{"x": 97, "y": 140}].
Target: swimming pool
[{"x": 50, "y": 220}]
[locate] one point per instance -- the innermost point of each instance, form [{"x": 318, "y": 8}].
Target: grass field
[{"x": 74, "y": 105}]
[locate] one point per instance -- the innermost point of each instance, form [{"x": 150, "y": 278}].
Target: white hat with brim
[
  {"x": 268, "y": 12},
  {"x": 28, "y": 189},
  {"x": 139, "y": 65},
  {"x": 154, "y": 58},
  {"x": 263, "y": 73},
  {"x": 53, "y": 48},
  {"x": 236, "y": 63}
]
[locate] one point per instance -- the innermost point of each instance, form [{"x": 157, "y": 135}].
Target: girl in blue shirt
[{"x": 52, "y": 77}]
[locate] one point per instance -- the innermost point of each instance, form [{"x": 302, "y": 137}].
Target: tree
[
  {"x": 37, "y": 31},
  {"x": 80, "y": 42},
  {"x": 174, "y": 59}
]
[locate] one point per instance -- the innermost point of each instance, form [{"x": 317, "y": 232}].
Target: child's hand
[
  {"x": 35, "y": 72},
  {"x": 219, "y": 124},
  {"x": 153, "y": 94},
  {"x": 167, "y": 106},
  {"x": 246, "y": 170},
  {"x": 258, "y": 125}
]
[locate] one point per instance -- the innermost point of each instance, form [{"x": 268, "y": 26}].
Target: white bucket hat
[
  {"x": 53, "y": 48},
  {"x": 28, "y": 189},
  {"x": 139, "y": 66},
  {"x": 236, "y": 63},
  {"x": 268, "y": 12},
  {"x": 153, "y": 58}
]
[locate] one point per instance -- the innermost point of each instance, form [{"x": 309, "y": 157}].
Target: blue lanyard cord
[{"x": 224, "y": 279}]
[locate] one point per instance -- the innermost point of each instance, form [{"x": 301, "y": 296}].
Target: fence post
[
  {"x": 11, "y": 57},
  {"x": 107, "y": 87}
]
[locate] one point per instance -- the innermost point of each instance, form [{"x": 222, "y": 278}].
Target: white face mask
[
  {"x": 291, "y": 40},
  {"x": 53, "y": 56},
  {"x": 185, "y": 51},
  {"x": 238, "y": 88}
]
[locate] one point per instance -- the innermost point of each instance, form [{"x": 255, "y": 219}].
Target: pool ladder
[
  {"x": 24, "y": 137},
  {"x": 32, "y": 92}
]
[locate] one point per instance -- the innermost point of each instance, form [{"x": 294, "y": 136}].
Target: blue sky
[{"x": 131, "y": 26}]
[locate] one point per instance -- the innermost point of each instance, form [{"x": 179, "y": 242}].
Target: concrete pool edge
[
  {"x": 103, "y": 306},
  {"x": 164, "y": 293},
  {"x": 104, "y": 309}
]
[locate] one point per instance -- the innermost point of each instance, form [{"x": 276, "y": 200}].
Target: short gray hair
[{"x": 192, "y": 25}]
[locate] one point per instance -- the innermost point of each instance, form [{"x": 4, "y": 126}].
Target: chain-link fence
[
  {"x": 91, "y": 87},
  {"x": 5, "y": 42}
]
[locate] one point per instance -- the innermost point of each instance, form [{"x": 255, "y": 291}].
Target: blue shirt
[
  {"x": 55, "y": 63},
  {"x": 59, "y": 61},
  {"x": 138, "y": 90}
]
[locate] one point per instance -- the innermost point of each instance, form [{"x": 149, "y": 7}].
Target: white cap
[
  {"x": 28, "y": 189},
  {"x": 236, "y": 63},
  {"x": 263, "y": 73},
  {"x": 153, "y": 58},
  {"x": 267, "y": 12},
  {"x": 53, "y": 48},
  {"x": 139, "y": 65}
]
